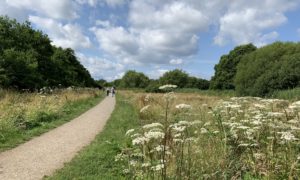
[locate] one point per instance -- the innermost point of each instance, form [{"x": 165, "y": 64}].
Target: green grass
[
  {"x": 96, "y": 161},
  {"x": 290, "y": 94},
  {"x": 221, "y": 93},
  {"x": 50, "y": 121}
]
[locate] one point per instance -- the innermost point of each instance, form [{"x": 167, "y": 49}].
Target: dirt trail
[{"x": 44, "y": 154}]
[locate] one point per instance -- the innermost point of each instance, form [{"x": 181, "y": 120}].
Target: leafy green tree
[
  {"x": 28, "y": 60},
  {"x": 194, "y": 82},
  {"x": 270, "y": 68},
  {"x": 225, "y": 70},
  {"x": 19, "y": 69},
  {"x": 176, "y": 77},
  {"x": 133, "y": 79}
]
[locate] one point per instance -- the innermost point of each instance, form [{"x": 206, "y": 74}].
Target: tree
[
  {"x": 270, "y": 68},
  {"x": 194, "y": 82},
  {"x": 176, "y": 77},
  {"x": 225, "y": 70},
  {"x": 19, "y": 69},
  {"x": 133, "y": 79},
  {"x": 28, "y": 60}
]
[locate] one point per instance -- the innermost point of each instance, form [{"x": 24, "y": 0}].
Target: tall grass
[
  {"x": 193, "y": 137},
  {"x": 290, "y": 94},
  {"x": 24, "y": 115}
]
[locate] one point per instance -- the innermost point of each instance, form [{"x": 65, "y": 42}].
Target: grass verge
[
  {"x": 290, "y": 94},
  {"x": 69, "y": 112},
  {"x": 97, "y": 161}
]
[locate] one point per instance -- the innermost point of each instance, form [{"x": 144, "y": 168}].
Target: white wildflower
[
  {"x": 207, "y": 124},
  {"x": 287, "y": 136},
  {"x": 154, "y": 135},
  {"x": 275, "y": 114},
  {"x": 139, "y": 141},
  {"x": 185, "y": 123},
  {"x": 203, "y": 131},
  {"x": 243, "y": 145},
  {"x": 146, "y": 164},
  {"x": 157, "y": 167},
  {"x": 129, "y": 132},
  {"x": 145, "y": 108},
  {"x": 183, "y": 106},
  {"x": 133, "y": 163},
  {"x": 178, "y": 140},
  {"x": 242, "y": 127},
  {"x": 126, "y": 171},
  {"x": 179, "y": 128},
  {"x": 152, "y": 125},
  {"x": 167, "y": 86},
  {"x": 147, "y": 97}
]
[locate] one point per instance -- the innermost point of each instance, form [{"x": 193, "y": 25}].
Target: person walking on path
[
  {"x": 107, "y": 91},
  {"x": 113, "y": 91}
]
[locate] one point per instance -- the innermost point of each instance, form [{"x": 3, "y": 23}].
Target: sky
[{"x": 155, "y": 36}]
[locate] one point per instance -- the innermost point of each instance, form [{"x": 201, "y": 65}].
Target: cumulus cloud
[
  {"x": 64, "y": 35},
  {"x": 110, "y": 3},
  {"x": 101, "y": 68},
  {"x": 246, "y": 21},
  {"x": 176, "y": 61},
  {"x": 157, "y": 34},
  {"x": 58, "y": 9},
  {"x": 156, "y": 73}
]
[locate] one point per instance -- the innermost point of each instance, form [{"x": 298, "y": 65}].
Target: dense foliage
[
  {"x": 133, "y": 79},
  {"x": 270, "y": 68},
  {"x": 183, "y": 80},
  {"x": 29, "y": 61},
  {"x": 225, "y": 70}
]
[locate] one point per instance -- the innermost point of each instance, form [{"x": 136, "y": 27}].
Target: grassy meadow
[
  {"x": 25, "y": 115},
  {"x": 193, "y": 136}
]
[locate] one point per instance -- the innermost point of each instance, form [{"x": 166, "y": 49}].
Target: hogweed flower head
[
  {"x": 183, "y": 106},
  {"x": 167, "y": 86}
]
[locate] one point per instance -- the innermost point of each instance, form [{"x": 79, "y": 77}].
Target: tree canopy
[
  {"x": 133, "y": 79},
  {"x": 225, "y": 70},
  {"x": 270, "y": 68},
  {"x": 29, "y": 61}
]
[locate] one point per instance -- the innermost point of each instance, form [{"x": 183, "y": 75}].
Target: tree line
[
  {"x": 133, "y": 79},
  {"x": 248, "y": 70},
  {"x": 259, "y": 71},
  {"x": 29, "y": 61}
]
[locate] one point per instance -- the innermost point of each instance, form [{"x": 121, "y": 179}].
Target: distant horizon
[{"x": 111, "y": 37}]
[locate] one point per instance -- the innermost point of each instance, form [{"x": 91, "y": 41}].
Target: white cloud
[
  {"x": 64, "y": 35},
  {"x": 176, "y": 61},
  {"x": 114, "y": 3},
  {"x": 58, "y": 9},
  {"x": 111, "y": 3},
  {"x": 298, "y": 31},
  {"x": 101, "y": 67},
  {"x": 12, "y": 12},
  {"x": 247, "y": 21},
  {"x": 156, "y": 35},
  {"x": 156, "y": 73}
]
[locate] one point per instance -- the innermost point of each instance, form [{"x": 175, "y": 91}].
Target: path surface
[{"x": 48, "y": 152}]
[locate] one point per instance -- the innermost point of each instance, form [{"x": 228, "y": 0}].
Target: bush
[{"x": 270, "y": 68}]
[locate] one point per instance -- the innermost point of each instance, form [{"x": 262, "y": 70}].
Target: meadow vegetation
[
  {"x": 188, "y": 136},
  {"x": 24, "y": 115}
]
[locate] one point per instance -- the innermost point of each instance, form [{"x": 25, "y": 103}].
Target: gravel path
[{"x": 44, "y": 154}]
